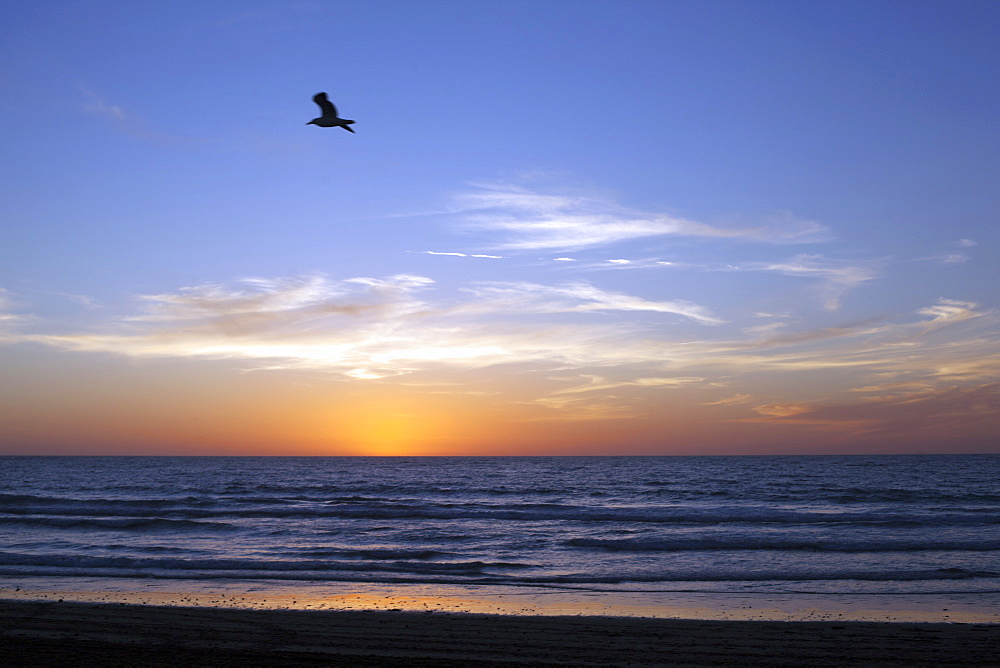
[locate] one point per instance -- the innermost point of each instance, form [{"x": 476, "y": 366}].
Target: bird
[{"x": 329, "y": 119}]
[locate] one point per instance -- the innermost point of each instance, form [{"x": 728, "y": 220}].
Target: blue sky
[{"x": 758, "y": 224}]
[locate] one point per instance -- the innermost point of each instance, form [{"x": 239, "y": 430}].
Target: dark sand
[{"x": 91, "y": 634}]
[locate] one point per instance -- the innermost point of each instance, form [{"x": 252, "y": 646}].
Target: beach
[
  {"x": 72, "y": 633},
  {"x": 804, "y": 561}
]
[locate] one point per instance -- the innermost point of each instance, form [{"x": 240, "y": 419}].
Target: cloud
[
  {"x": 84, "y": 300},
  {"x": 6, "y": 304},
  {"x": 953, "y": 257},
  {"x": 947, "y": 312},
  {"x": 579, "y": 409},
  {"x": 781, "y": 410},
  {"x": 947, "y": 258},
  {"x": 927, "y": 414},
  {"x": 371, "y": 327},
  {"x": 808, "y": 336},
  {"x": 528, "y": 220},
  {"x": 730, "y": 401},
  {"x": 837, "y": 276},
  {"x": 366, "y": 329},
  {"x": 578, "y": 297},
  {"x": 456, "y": 254},
  {"x": 600, "y": 384},
  {"x": 284, "y": 305},
  {"x": 98, "y": 106},
  {"x": 125, "y": 121},
  {"x": 950, "y": 310}
]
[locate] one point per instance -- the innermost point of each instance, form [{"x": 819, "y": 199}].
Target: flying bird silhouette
[{"x": 329, "y": 119}]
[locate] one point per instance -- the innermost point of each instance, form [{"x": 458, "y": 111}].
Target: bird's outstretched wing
[{"x": 325, "y": 105}]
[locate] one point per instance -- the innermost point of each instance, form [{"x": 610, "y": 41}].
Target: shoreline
[
  {"x": 75, "y": 633},
  {"x": 929, "y": 607}
]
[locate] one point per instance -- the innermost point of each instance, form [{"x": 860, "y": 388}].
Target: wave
[
  {"x": 165, "y": 564},
  {"x": 896, "y": 495},
  {"x": 465, "y": 572},
  {"x": 369, "y": 508},
  {"x": 670, "y": 544},
  {"x": 369, "y": 553},
  {"x": 117, "y": 523}
]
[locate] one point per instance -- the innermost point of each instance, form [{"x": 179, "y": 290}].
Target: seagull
[{"x": 329, "y": 119}]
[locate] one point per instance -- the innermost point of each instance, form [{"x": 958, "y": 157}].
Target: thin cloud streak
[
  {"x": 577, "y": 297},
  {"x": 457, "y": 254},
  {"x": 837, "y": 277},
  {"x": 600, "y": 384},
  {"x": 98, "y": 106},
  {"x": 367, "y": 329},
  {"x": 532, "y": 221},
  {"x": 938, "y": 413}
]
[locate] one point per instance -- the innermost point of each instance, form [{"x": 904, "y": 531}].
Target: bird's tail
[{"x": 347, "y": 126}]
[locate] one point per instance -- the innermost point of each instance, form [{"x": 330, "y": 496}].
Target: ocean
[{"x": 841, "y": 535}]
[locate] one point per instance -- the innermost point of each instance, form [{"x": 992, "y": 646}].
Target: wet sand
[{"x": 36, "y": 633}]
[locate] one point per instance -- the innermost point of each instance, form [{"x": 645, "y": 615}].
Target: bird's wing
[{"x": 325, "y": 105}]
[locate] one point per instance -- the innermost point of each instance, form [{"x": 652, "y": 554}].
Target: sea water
[{"x": 612, "y": 534}]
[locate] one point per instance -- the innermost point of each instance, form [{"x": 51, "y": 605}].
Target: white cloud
[
  {"x": 98, "y": 106},
  {"x": 530, "y": 220},
  {"x": 600, "y": 384},
  {"x": 370, "y": 328},
  {"x": 125, "y": 121},
  {"x": 456, "y": 254},
  {"x": 6, "y": 305},
  {"x": 950, "y": 310},
  {"x": 732, "y": 400},
  {"x": 837, "y": 276},
  {"x": 781, "y": 410},
  {"x": 373, "y": 329},
  {"x": 578, "y": 297}
]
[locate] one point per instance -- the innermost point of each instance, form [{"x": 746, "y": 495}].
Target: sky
[{"x": 561, "y": 228}]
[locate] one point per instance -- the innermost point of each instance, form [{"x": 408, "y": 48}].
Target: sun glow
[{"x": 390, "y": 430}]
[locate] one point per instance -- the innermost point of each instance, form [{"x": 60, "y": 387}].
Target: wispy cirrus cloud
[
  {"x": 98, "y": 106},
  {"x": 606, "y": 359},
  {"x": 953, "y": 257},
  {"x": 601, "y": 384},
  {"x": 457, "y": 254},
  {"x": 368, "y": 327},
  {"x": 124, "y": 120},
  {"x": 7, "y": 316},
  {"x": 951, "y": 310},
  {"x": 282, "y": 305},
  {"x": 528, "y": 220},
  {"x": 837, "y": 277},
  {"x": 579, "y": 296},
  {"x": 926, "y": 413},
  {"x": 733, "y": 400}
]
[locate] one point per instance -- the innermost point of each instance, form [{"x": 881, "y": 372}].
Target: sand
[{"x": 37, "y": 633}]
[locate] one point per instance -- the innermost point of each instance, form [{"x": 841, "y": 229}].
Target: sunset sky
[{"x": 562, "y": 227}]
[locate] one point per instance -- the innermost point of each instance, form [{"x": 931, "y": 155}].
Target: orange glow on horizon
[{"x": 390, "y": 426}]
